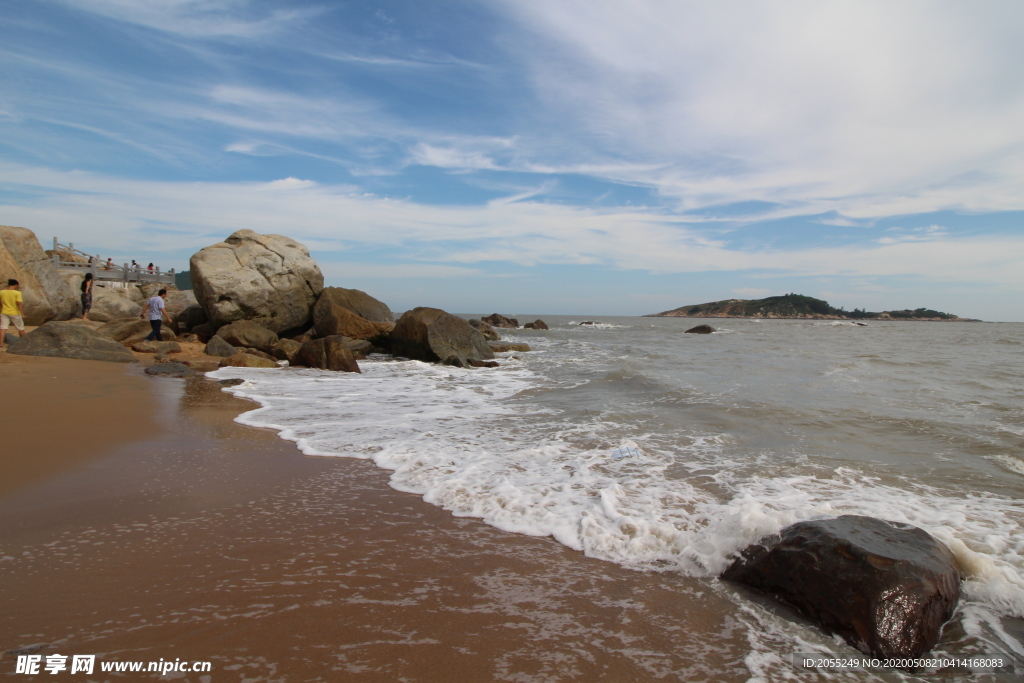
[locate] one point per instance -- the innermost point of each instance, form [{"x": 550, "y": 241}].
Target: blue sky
[{"x": 522, "y": 156}]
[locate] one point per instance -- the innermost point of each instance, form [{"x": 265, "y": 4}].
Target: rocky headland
[{"x": 795, "y": 306}]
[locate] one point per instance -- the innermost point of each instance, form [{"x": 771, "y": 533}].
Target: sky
[{"x": 536, "y": 156}]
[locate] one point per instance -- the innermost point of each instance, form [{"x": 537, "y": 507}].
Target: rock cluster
[
  {"x": 496, "y": 320},
  {"x": 887, "y": 588}
]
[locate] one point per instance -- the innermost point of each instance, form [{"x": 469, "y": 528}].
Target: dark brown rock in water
[
  {"x": 70, "y": 340},
  {"x": 484, "y": 363},
  {"x": 489, "y": 333},
  {"x": 434, "y": 336},
  {"x": 536, "y": 325},
  {"x": 887, "y": 588},
  {"x": 351, "y": 313},
  {"x": 218, "y": 346},
  {"x": 285, "y": 349},
  {"x": 700, "y": 329},
  {"x": 502, "y": 347},
  {"x": 591, "y": 322},
  {"x": 248, "y": 334},
  {"x": 327, "y": 353},
  {"x": 360, "y": 348},
  {"x": 247, "y": 360},
  {"x": 257, "y": 353},
  {"x": 497, "y": 320}
]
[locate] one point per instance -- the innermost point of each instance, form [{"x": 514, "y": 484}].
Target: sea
[{"x": 632, "y": 442}]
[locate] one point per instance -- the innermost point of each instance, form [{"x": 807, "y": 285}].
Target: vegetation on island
[{"x": 795, "y": 306}]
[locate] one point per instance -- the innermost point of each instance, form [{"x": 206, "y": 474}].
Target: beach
[{"x": 177, "y": 533}]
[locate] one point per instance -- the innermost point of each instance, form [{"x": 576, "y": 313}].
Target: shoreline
[{"x": 210, "y": 541}]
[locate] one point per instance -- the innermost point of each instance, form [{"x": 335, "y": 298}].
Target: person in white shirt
[{"x": 155, "y": 311}]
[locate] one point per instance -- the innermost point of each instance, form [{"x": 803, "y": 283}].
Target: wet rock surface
[
  {"x": 327, "y": 353},
  {"x": 170, "y": 370},
  {"x": 886, "y": 588},
  {"x": 497, "y": 320},
  {"x": 700, "y": 329},
  {"x": 434, "y": 336}
]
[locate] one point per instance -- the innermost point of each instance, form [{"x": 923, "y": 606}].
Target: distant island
[{"x": 794, "y": 306}]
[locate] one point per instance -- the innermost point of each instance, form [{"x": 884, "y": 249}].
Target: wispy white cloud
[{"x": 87, "y": 207}]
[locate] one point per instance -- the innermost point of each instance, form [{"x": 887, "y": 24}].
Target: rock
[
  {"x": 269, "y": 279},
  {"x": 700, "y": 329},
  {"x": 190, "y": 317},
  {"x": 70, "y": 340},
  {"x": 177, "y": 301},
  {"x": 536, "y": 325},
  {"x": 285, "y": 349},
  {"x": 156, "y": 347},
  {"x": 188, "y": 338},
  {"x": 308, "y": 335},
  {"x": 250, "y": 334},
  {"x": 247, "y": 360},
  {"x": 887, "y": 588},
  {"x": 233, "y": 382},
  {"x": 502, "y": 347},
  {"x": 217, "y": 346},
  {"x": 65, "y": 255},
  {"x": 430, "y": 334},
  {"x": 46, "y": 295},
  {"x": 591, "y": 322},
  {"x": 489, "y": 333},
  {"x": 327, "y": 353},
  {"x": 128, "y": 331},
  {"x": 257, "y": 352},
  {"x": 170, "y": 370},
  {"x": 202, "y": 365},
  {"x": 484, "y": 363},
  {"x": 108, "y": 304},
  {"x": 205, "y": 331},
  {"x": 360, "y": 348},
  {"x": 351, "y": 313},
  {"x": 496, "y": 320}
]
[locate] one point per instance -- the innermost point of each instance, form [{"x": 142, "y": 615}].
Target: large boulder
[
  {"x": 170, "y": 370},
  {"x": 504, "y": 346},
  {"x": 285, "y": 349},
  {"x": 490, "y": 334},
  {"x": 700, "y": 329},
  {"x": 327, "y": 353},
  {"x": 497, "y": 320},
  {"x": 248, "y": 334},
  {"x": 47, "y": 296},
  {"x": 887, "y": 588},
  {"x": 536, "y": 325},
  {"x": 161, "y": 347},
  {"x": 432, "y": 335},
  {"x": 70, "y": 340},
  {"x": 130, "y": 331},
  {"x": 247, "y": 360},
  {"x": 269, "y": 279},
  {"x": 351, "y": 313},
  {"x": 109, "y": 304},
  {"x": 178, "y": 301}
]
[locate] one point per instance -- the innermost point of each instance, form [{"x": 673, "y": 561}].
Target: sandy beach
[{"x": 141, "y": 523}]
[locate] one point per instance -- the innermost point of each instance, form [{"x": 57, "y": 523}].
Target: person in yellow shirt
[{"x": 11, "y": 310}]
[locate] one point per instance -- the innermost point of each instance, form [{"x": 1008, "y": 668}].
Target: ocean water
[{"x": 728, "y": 437}]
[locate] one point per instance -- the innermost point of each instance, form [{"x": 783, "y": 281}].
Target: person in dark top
[{"x": 86, "y": 295}]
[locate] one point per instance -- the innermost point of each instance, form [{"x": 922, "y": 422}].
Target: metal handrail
[{"x": 101, "y": 271}]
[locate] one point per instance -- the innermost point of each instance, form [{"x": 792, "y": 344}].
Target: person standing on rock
[
  {"x": 86, "y": 295},
  {"x": 11, "y": 310},
  {"x": 155, "y": 311}
]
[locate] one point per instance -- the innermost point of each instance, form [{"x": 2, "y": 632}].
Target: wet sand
[{"x": 202, "y": 539}]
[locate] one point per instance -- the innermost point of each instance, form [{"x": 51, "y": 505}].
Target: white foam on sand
[{"x": 467, "y": 441}]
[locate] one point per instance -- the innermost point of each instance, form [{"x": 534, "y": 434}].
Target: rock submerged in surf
[
  {"x": 434, "y": 336},
  {"x": 700, "y": 329},
  {"x": 887, "y": 588}
]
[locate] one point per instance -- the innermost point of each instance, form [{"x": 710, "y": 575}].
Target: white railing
[{"x": 106, "y": 270}]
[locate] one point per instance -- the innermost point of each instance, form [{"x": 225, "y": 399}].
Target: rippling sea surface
[{"x": 737, "y": 435}]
